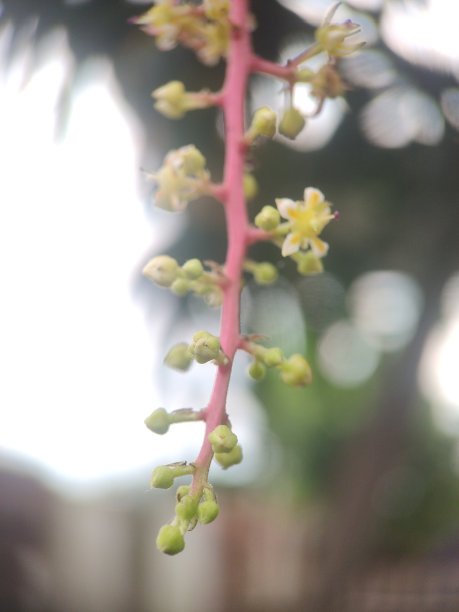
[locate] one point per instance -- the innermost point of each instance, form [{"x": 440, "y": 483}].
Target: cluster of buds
[
  {"x": 204, "y": 28},
  {"x": 294, "y": 371},
  {"x": 165, "y": 271},
  {"x": 214, "y": 29}
]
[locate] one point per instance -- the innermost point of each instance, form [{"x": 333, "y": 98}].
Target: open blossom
[
  {"x": 333, "y": 38},
  {"x": 307, "y": 220}
]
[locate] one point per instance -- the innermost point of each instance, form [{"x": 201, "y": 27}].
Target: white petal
[
  {"x": 291, "y": 244},
  {"x": 314, "y": 195},
  {"x": 319, "y": 247},
  {"x": 284, "y": 205}
]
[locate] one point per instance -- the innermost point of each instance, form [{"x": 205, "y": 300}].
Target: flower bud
[
  {"x": 158, "y": 421},
  {"x": 226, "y": 460},
  {"x": 268, "y": 218},
  {"x": 162, "y": 477},
  {"x": 180, "y": 287},
  {"x": 186, "y": 508},
  {"x": 162, "y": 270},
  {"x": 170, "y": 99},
  {"x": 193, "y": 269},
  {"x": 208, "y": 511},
  {"x": 309, "y": 263},
  {"x": 265, "y": 273},
  {"x": 205, "y": 347},
  {"x": 250, "y": 186},
  {"x": 179, "y": 357},
  {"x": 170, "y": 540},
  {"x": 193, "y": 161},
  {"x": 296, "y": 371},
  {"x": 292, "y": 123},
  {"x": 182, "y": 490},
  {"x": 273, "y": 357},
  {"x": 257, "y": 370},
  {"x": 222, "y": 439},
  {"x": 263, "y": 123}
]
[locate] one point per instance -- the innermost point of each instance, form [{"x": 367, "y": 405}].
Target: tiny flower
[
  {"x": 307, "y": 220},
  {"x": 332, "y": 38},
  {"x": 273, "y": 357},
  {"x": 162, "y": 270},
  {"x": 265, "y": 273},
  {"x": 193, "y": 269},
  {"x": 263, "y": 123},
  {"x": 226, "y": 460},
  {"x": 250, "y": 186},
  {"x": 173, "y": 101},
  {"x": 296, "y": 371},
  {"x": 257, "y": 370},
  {"x": 179, "y": 357},
  {"x": 291, "y": 123}
]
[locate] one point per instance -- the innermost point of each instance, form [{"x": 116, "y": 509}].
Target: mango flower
[
  {"x": 332, "y": 38},
  {"x": 306, "y": 219}
]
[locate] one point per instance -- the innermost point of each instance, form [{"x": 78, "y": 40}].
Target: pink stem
[
  {"x": 233, "y": 98},
  {"x": 258, "y": 64}
]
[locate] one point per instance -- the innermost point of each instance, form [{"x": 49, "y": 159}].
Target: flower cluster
[
  {"x": 213, "y": 29},
  {"x": 204, "y": 28}
]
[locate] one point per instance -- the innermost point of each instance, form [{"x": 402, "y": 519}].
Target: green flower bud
[
  {"x": 186, "y": 508},
  {"x": 263, "y": 123},
  {"x": 309, "y": 263},
  {"x": 273, "y": 357},
  {"x": 226, "y": 460},
  {"x": 182, "y": 491},
  {"x": 162, "y": 270},
  {"x": 292, "y": 123},
  {"x": 170, "y": 99},
  {"x": 296, "y": 371},
  {"x": 265, "y": 273},
  {"x": 170, "y": 540},
  {"x": 268, "y": 218},
  {"x": 158, "y": 421},
  {"x": 180, "y": 287},
  {"x": 250, "y": 186},
  {"x": 193, "y": 269},
  {"x": 205, "y": 347},
  {"x": 222, "y": 439},
  {"x": 208, "y": 511},
  {"x": 257, "y": 370},
  {"x": 162, "y": 477},
  {"x": 179, "y": 357},
  {"x": 193, "y": 160}
]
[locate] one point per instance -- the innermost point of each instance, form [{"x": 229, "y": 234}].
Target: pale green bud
[
  {"x": 162, "y": 270},
  {"x": 250, "y": 186},
  {"x": 186, "y": 508},
  {"x": 193, "y": 161},
  {"x": 309, "y": 264},
  {"x": 162, "y": 477},
  {"x": 292, "y": 123},
  {"x": 179, "y": 357},
  {"x": 158, "y": 421},
  {"x": 205, "y": 347},
  {"x": 268, "y": 218},
  {"x": 226, "y": 460},
  {"x": 170, "y": 99},
  {"x": 273, "y": 357},
  {"x": 193, "y": 269},
  {"x": 223, "y": 440},
  {"x": 265, "y": 273},
  {"x": 182, "y": 490},
  {"x": 170, "y": 540},
  {"x": 296, "y": 371},
  {"x": 180, "y": 286},
  {"x": 263, "y": 122},
  {"x": 257, "y": 370},
  {"x": 208, "y": 511}
]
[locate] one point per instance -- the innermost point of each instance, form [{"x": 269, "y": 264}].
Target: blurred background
[{"x": 348, "y": 496}]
